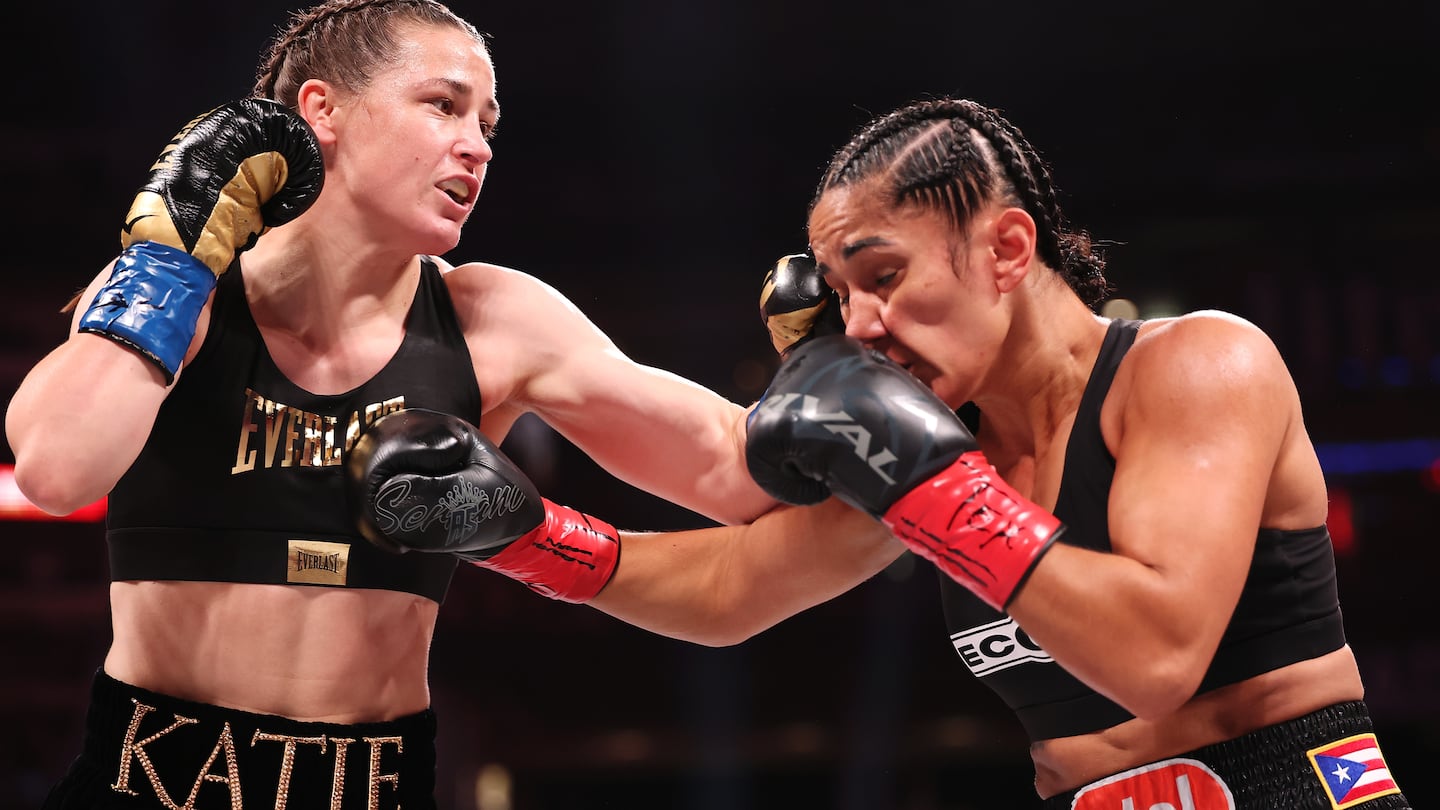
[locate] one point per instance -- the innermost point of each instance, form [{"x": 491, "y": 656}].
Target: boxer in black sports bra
[{"x": 1131, "y": 539}]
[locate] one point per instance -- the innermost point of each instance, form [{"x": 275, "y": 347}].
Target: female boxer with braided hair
[
  {"x": 1132, "y": 543},
  {"x": 278, "y": 294}
]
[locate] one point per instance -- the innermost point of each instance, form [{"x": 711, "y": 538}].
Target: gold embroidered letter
[
  {"x": 376, "y": 745},
  {"x": 337, "y": 783},
  {"x": 231, "y": 779},
  {"x": 287, "y": 760},
  {"x": 134, "y": 749}
]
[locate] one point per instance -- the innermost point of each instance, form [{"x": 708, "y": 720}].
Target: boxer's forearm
[{"x": 720, "y": 586}]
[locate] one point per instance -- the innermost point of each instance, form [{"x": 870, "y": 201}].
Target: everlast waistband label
[{"x": 316, "y": 562}]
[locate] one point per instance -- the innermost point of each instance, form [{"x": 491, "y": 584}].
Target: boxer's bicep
[
  {"x": 655, "y": 430},
  {"x": 1199, "y": 437},
  {"x": 536, "y": 352}
]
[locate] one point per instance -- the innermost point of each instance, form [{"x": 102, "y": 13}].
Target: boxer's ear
[
  {"x": 1009, "y": 239},
  {"x": 319, "y": 102}
]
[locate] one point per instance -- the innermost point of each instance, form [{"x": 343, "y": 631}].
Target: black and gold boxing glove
[
  {"x": 223, "y": 180},
  {"x": 796, "y": 303}
]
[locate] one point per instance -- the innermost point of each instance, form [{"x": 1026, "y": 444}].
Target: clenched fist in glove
[
  {"x": 840, "y": 418},
  {"x": 224, "y": 179},
  {"x": 796, "y": 303},
  {"x": 425, "y": 481}
]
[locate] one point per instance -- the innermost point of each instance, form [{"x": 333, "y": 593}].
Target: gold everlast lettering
[
  {"x": 244, "y": 456},
  {"x": 362, "y": 422},
  {"x": 287, "y": 761},
  {"x": 312, "y": 436},
  {"x": 352, "y": 430},
  {"x": 316, "y": 562},
  {"x": 330, "y": 452},
  {"x": 376, "y": 778},
  {"x": 296, "y": 437},
  {"x": 274, "y": 421},
  {"x": 295, "y": 417},
  {"x": 306, "y": 560}
]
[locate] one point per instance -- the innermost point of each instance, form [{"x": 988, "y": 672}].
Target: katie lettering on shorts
[{"x": 185, "y": 759}]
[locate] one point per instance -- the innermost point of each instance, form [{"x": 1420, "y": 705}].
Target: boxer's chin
[{"x": 949, "y": 391}]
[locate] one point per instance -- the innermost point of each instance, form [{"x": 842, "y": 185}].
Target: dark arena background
[{"x": 1274, "y": 160}]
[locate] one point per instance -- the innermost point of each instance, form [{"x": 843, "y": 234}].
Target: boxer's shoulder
[
  {"x": 1205, "y": 348},
  {"x": 472, "y": 281}
]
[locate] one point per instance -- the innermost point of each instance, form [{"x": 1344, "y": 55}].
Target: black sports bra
[
  {"x": 1289, "y": 610},
  {"x": 241, "y": 478}
]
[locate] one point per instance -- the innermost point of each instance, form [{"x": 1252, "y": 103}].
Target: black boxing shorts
[
  {"x": 1325, "y": 760},
  {"x": 147, "y": 750}
]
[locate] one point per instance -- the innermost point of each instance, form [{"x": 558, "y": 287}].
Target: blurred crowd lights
[
  {"x": 493, "y": 788},
  {"x": 1341, "y": 521},
  {"x": 1419, "y": 455},
  {"x": 15, "y": 506},
  {"x": 1120, "y": 308}
]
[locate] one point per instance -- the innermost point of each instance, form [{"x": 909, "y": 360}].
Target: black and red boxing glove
[
  {"x": 796, "y": 304},
  {"x": 845, "y": 418},
  {"x": 420, "y": 480}
]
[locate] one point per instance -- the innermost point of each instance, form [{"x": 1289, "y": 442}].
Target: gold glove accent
[{"x": 234, "y": 221}]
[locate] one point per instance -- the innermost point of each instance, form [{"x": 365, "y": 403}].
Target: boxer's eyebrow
[
  {"x": 859, "y": 245},
  {"x": 855, "y": 247},
  {"x": 460, "y": 87}
]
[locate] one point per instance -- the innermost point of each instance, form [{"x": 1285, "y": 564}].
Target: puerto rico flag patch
[{"x": 1352, "y": 770}]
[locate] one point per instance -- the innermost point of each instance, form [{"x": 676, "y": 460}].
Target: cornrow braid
[
  {"x": 951, "y": 155},
  {"x": 1025, "y": 178},
  {"x": 857, "y": 159},
  {"x": 1068, "y": 250},
  {"x": 933, "y": 176},
  {"x": 342, "y": 42}
]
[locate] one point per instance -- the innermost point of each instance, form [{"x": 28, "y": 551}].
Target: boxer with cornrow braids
[
  {"x": 917, "y": 153},
  {"x": 1130, "y": 538}
]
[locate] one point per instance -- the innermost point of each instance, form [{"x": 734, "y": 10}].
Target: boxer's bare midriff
[
  {"x": 1067, "y": 763},
  {"x": 307, "y": 653}
]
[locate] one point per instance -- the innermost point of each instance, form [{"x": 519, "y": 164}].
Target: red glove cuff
[
  {"x": 975, "y": 527},
  {"x": 570, "y": 556}
]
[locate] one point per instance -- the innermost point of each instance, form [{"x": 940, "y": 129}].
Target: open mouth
[{"x": 457, "y": 190}]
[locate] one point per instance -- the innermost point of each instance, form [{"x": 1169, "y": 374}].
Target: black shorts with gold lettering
[
  {"x": 1326, "y": 760},
  {"x": 147, "y": 750}
]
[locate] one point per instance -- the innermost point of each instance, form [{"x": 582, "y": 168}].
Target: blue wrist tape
[{"x": 152, "y": 302}]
